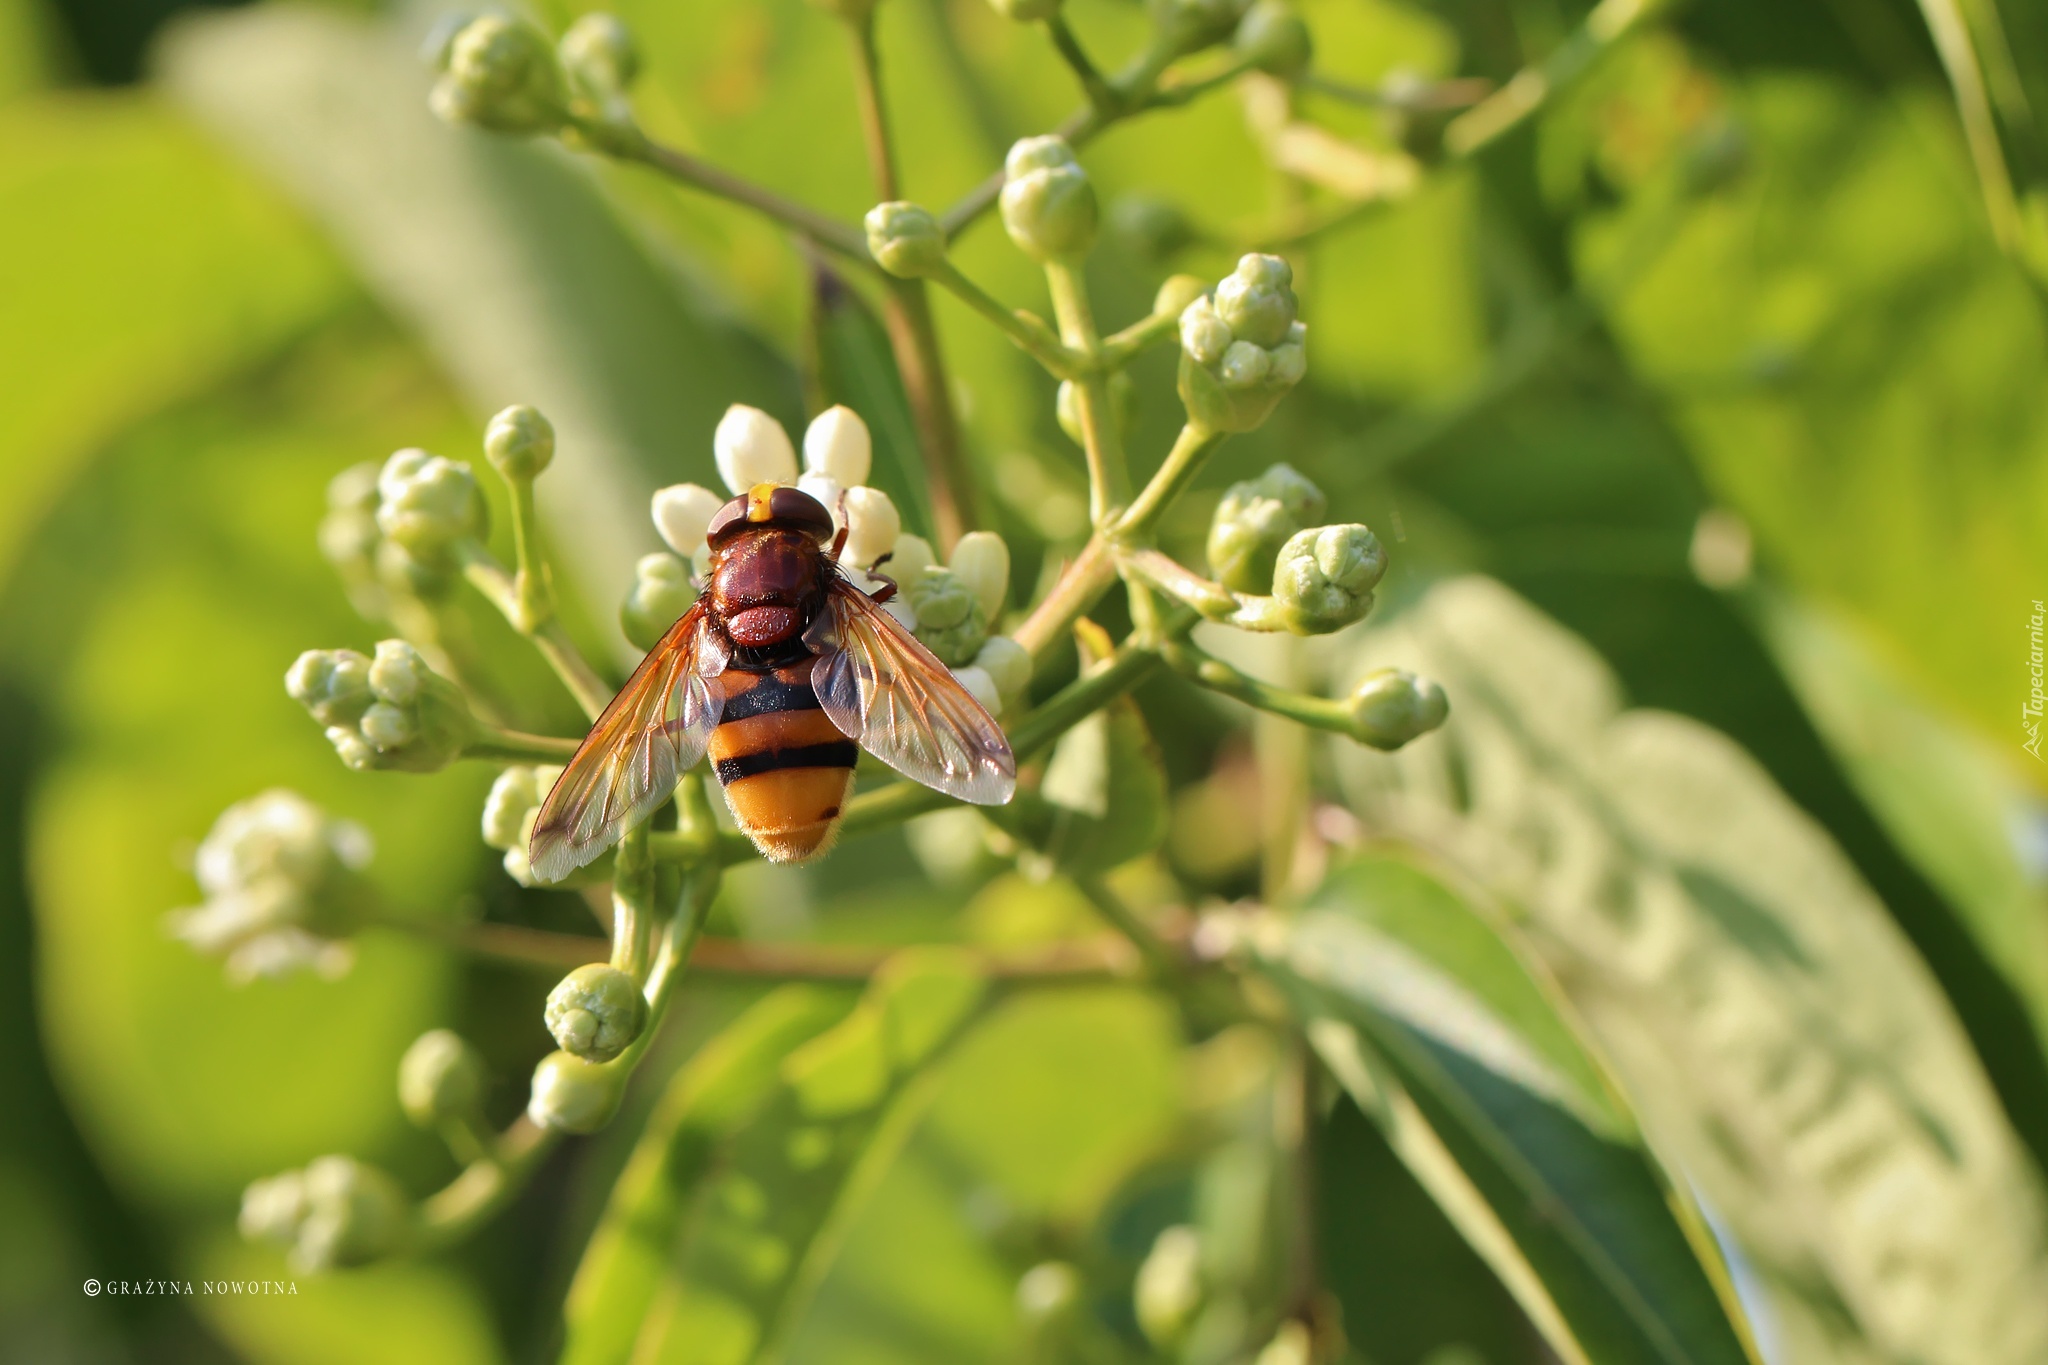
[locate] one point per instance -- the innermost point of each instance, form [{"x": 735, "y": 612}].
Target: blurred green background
[{"x": 1751, "y": 269}]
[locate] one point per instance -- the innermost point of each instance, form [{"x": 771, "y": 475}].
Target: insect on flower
[{"x": 776, "y": 672}]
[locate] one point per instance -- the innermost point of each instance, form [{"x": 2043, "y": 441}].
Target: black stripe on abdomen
[
  {"x": 769, "y": 693},
  {"x": 839, "y": 754}
]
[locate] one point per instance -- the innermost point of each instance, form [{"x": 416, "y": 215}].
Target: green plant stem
[
  {"x": 1102, "y": 97},
  {"x": 1190, "y": 450},
  {"x": 633, "y": 912},
  {"x": 547, "y": 951},
  {"x": 874, "y": 118},
  {"x": 485, "y": 1185},
  {"x": 533, "y": 598},
  {"x": 1120, "y": 348},
  {"x": 1212, "y": 600},
  {"x": 515, "y": 746},
  {"x": 1161, "y": 960},
  {"x": 1027, "y": 329},
  {"x": 488, "y": 577},
  {"x": 914, "y": 340},
  {"x": 1109, "y": 477},
  {"x": 1438, "y": 95},
  {"x": 842, "y": 239},
  {"x": 1316, "y": 712},
  {"x": 1511, "y": 106},
  {"x": 1079, "y": 587}
]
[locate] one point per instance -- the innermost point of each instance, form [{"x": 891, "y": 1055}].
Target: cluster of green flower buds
[
  {"x": 1048, "y": 202},
  {"x": 1241, "y": 348},
  {"x": 1254, "y": 520},
  {"x": 595, "y": 1011},
  {"x": 336, "y": 1212},
  {"x": 905, "y": 240},
  {"x": 1391, "y": 706},
  {"x": 502, "y": 74},
  {"x": 509, "y": 812},
  {"x": 1323, "y": 578},
  {"x": 428, "y": 505},
  {"x": 390, "y": 712},
  {"x": 283, "y": 885}
]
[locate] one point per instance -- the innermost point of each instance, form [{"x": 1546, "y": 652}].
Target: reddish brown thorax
[{"x": 768, "y": 574}]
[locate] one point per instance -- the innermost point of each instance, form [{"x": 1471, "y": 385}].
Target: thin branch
[
  {"x": 489, "y": 577},
  {"x": 843, "y": 239},
  {"x": 874, "y": 118},
  {"x": 1102, "y": 96},
  {"x": 516, "y": 746}
]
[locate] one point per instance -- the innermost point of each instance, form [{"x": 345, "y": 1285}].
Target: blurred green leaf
[
  {"x": 720, "y": 1090},
  {"x": 1448, "y": 1044},
  {"x": 1858, "y": 371},
  {"x": 1782, "y": 1041},
  {"x": 1950, "y": 803},
  {"x": 762, "y": 1169},
  {"x": 854, "y": 366},
  {"x": 104, "y": 324},
  {"x": 1107, "y": 791},
  {"x": 504, "y": 257}
]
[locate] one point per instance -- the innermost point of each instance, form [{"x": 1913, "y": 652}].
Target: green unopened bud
[
  {"x": 1273, "y": 38},
  {"x": 1324, "y": 578},
  {"x": 661, "y": 593},
  {"x": 595, "y": 1011},
  {"x": 438, "y": 47},
  {"x": 349, "y": 536},
  {"x": 520, "y": 442},
  {"x": 390, "y": 712},
  {"x": 515, "y": 792},
  {"x": 440, "y": 1079},
  {"x": 1009, "y": 666},
  {"x": 905, "y": 240},
  {"x": 982, "y": 562},
  {"x": 1191, "y": 25},
  {"x": 1152, "y": 227},
  {"x": 1242, "y": 349},
  {"x": 1254, "y": 520},
  {"x": 599, "y": 55},
  {"x": 427, "y": 504},
  {"x": 1391, "y": 706},
  {"x": 1049, "y": 1302},
  {"x": 909, "y": 560},
  {"x": 1177, "y": 293},
  {"x": 950, "y": 621},
  {"x": 337, "y": 1212},
  {"x": 283, "y": 886},
  {"x": 502, "y": 74},
  {"x": 1168, "y": 1289},
  {"x": 1123, "y": 399},
  {"x": 1048, "y": 202},
  {"x": 571, "y": 1095}
]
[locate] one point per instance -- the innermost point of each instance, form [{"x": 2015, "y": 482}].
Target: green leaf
[
  {"x": 1442, "y": 1037},
  {"x": 855, "y": 366},
  {"x": 106, "y": 324},
  {"x": 721, "y": 1089},
  {"x": 1782, "y": 1041},
  {"x": 1107, "y": 790},
  {"x": 746, "y": 1183},
  {"x": 501, "y": 253}
]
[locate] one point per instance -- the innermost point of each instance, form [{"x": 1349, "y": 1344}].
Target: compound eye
[
  {"x": 727, "y": 519},
  {"x": 797, "y": 509}
]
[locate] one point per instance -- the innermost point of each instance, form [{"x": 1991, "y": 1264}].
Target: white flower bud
[
  {"x": 837, "y": 444},
  {"x": 873, "y": 528},
  {"x": 909, "y": 559},
  {"x": 516, "y": 792},
  {"x": 982, "y": 561},
  {"x": 826, "y": 490},
  {"x": 1009, "y": 664},
  {"x": 751, "y": 447},
  {"x": 682, "y": 511},
  {"x": 981, "y": 686}
]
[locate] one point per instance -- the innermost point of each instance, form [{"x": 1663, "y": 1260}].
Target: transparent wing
[
  {"x": 629, "y": 763},
  {"x": 884, "y": 689}
]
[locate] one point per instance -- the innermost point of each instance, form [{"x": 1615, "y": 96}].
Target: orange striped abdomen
[{"x": 786, "y": 769}]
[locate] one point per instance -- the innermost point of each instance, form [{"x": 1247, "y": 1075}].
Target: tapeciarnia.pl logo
[{"x": 2030, "y": 714}]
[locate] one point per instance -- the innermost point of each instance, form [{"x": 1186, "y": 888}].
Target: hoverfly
[{"x": 780, "y": 668}]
